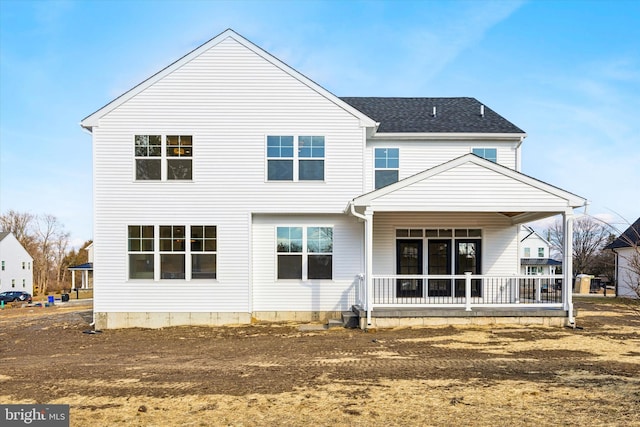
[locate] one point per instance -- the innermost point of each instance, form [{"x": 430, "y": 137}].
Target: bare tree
[
  {"x": 60, "y": 249},
  {"x": 52, "y": 240},
  {"x": 589, "y": 237},
  {"x": 44, "y": 237},
  {"x": 20, "y": 225}
]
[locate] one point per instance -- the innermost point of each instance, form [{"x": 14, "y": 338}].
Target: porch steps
[{"x": 348, "y": 319}]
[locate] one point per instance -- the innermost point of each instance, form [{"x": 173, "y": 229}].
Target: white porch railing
[{"x": 462, "y": 291}]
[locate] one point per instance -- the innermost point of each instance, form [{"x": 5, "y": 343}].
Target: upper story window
[
  {"x": 179, "y": 157},
  {"x": 387, "y": 163},
  {"x": 155, "y": 164},
  {"x": 2, "y": 265},
  {"x": 490, "y": 154},
  {"x": 292, "y": 158},
  {"x": 527, "y": 252},
  {"x": 540, "y": 252},
  {"x": 23, "y": 265}
]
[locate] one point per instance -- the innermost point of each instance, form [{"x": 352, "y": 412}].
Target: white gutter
[{"x": 461, "y": 136}]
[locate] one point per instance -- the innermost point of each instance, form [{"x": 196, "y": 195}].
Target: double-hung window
[
  {"x": 305, "y": 253},
  {"x": 172, "y": 251},
  {"x": 140, "y": 247},
  {"x": 203, "y": 251},
  {"x": 148, "y": 153},
  {"x": 540, "y": 252},
  {"x": 387, "y": 163},
  {"x": 490, "y": 154},
  {"x": 163, "y": 157},
  {"x": 295, "y": 158},
  {"x": 527, "y": 252},
  {"x": 179, "y": 157}
]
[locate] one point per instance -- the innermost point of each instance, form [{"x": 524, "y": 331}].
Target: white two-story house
[
  {"x": 535, "y": 256},
  {"x": 16, "y": 272},
  {"x": 230, "y": 188}
]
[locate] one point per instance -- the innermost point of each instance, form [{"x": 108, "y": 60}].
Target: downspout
[
  {"x": 367, "y": 261},
  {"x": 518, "y": 156},
  {"x": 567, "y": 265}
]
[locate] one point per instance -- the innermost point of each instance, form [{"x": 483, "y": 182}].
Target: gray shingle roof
[
  {"x": 631, "y": 236},
  {"x": 3, "y": 234},
  {"x": 457, "y": 115}
]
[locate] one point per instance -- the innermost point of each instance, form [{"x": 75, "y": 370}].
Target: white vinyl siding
[
  {"x": 228, "y": 99},
  {"x": 417, "y": 156},
  {"x": 470, "y": 187},
  {"x": 336, "y": 294},
  {"x": 626, "y": 274}
]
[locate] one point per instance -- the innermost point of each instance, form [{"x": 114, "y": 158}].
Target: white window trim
[
  {"x": 295, "y": 159},
  {"x": 163, "y": 157},
  {"x": 425, "y": 238},
  {"x": 157, "y": 253},
  {"x": 486, "y": 148},
  {"x": 305, "y": 253}
]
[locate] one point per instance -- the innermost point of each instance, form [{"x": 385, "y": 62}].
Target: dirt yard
[{"x": 274, "y": 374}]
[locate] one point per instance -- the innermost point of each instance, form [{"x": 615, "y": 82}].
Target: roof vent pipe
[
  {"x": 481, "y": 110},
  {"x": 434, "y": 112}
]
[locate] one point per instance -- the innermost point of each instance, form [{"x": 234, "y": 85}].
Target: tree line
[{"x": 44, "y": 237}]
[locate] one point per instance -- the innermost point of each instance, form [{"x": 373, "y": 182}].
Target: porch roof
[
  {"x": 471, "y": 184},
  {"x": 85, "y": 266},
  {"x": 539, "y": 261}
]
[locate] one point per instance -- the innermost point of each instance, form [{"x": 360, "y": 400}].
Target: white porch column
[
  {"x": 368, "y": 246},
  {"x": 73, "y": 279},
  {"x": 567, "y": 264}
]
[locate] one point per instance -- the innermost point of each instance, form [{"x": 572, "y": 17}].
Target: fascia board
[
  {"x": 477, "y": 136},
  {"x": 92, "y": 120}
]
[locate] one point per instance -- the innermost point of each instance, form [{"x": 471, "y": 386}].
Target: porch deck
[{"x": 402, "y": 300}]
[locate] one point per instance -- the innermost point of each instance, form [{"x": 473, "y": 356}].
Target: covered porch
[{"x": 443, "y": 244}]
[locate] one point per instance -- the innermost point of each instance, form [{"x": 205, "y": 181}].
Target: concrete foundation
[
  {"x": 156, "y": 320},
  {"x": 162, "y": 320},
  {"x": 392, "y": 318}
]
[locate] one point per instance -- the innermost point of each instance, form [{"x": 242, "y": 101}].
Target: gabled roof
[
  {"x": 415, "y": 194},
  {"x": 530, "y": 232},
  {"x": 415, "y": 115},
  {"x": 92, "y": 120},
  {"x": 630, "y": 237},
  {"x": 3, "y": 234}
]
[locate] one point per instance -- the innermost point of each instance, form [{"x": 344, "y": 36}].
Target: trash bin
[
  {"x": 50, "y": 299},
  {"x": 583, "y": 284},
  {"x": 64, "y": 297}
]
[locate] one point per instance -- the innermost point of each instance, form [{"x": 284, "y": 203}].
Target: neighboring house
[
  {"x": 627, "y": 251},
  {"x": 229, "y": 188},
  {"x": 16, "y": 265},
  {"x": 86, "y": 271},
  {"x": 534, "y": 254}
]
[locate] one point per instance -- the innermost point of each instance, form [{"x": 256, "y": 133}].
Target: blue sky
[{"x": 567, "y": 72}]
